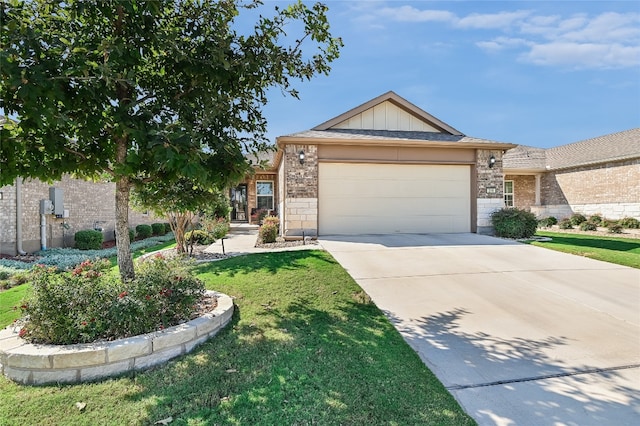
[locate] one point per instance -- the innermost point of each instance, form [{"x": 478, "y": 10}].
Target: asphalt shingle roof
[
  {"x": 360, "y": 134},
  {"x": 613, "y": 147}
]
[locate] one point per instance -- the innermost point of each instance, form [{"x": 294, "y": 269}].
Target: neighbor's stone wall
[
  {"x": 616, "y": 182},
  {"x": 300, "y": 191},
  {"x": 524, "y": 190},
  {"x": 89, "y": 204}
]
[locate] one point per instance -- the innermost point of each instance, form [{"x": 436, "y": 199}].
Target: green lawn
[
  {"x": 622, "y": 251},
  {"x": 305, "y": 346}
]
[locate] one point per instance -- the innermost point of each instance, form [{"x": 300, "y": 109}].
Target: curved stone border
[{"x": 41, "y": 364}]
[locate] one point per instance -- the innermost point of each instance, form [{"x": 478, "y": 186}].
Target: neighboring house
[
  {"x": 86, "y": 205},
  {"x": 385, "y": 166},
  {"x": 594, "y": 176},
  {"x": 258, "y": 191}
]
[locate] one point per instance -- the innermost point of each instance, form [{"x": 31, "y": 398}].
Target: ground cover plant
[
  {"x": 305, "y": 346},
  {"x": 622, "y": 251}
]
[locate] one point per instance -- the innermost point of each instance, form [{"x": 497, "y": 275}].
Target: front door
[{"x": 239, "y": 203}]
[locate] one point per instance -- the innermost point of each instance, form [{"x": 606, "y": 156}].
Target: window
[
  {"x": 264, "y": 192},
  {"x": 508, "y": 193}
]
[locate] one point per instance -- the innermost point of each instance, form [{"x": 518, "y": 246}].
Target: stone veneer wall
[
  {"x": 300, "y": 191},
  {"x": 490, "y": 187},
  {"x": 87, "y": 202}
]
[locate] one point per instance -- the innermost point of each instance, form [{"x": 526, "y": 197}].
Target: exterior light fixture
[
  {"x": 301, "y": 156},
  {"x": 492, "y": 161}
]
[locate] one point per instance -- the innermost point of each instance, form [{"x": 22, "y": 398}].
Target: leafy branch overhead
[{"x": 147, "y": 90}]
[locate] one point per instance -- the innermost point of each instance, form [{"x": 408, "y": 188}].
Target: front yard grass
[
  {"x": 622, "y": 251},
  {"x": 305, "y": 346}
]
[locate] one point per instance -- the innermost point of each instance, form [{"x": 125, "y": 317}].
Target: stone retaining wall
[{"x": 41, "y": 364}]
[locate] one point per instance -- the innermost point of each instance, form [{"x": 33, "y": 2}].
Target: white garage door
[{"x": 393, "y": 198}]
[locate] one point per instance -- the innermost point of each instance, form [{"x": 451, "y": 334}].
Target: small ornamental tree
[{"x": 144, "y": 91}]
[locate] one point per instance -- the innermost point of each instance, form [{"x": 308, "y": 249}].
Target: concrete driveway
[{"x": 520, "y": 335}]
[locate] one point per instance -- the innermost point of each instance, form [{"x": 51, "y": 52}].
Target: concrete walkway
[
  {"x": 242, "y": 240},
  {"x": 519, "y": 334}
]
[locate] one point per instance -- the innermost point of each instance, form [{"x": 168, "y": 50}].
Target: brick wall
[
  {"x": 605, "y": 183},
  {"x": 524, "y": 190},
  {"x": 489, "y": 179},
  {"x": 89, "y": 204}
]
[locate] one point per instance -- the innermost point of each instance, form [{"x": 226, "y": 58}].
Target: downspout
[{"x": 19, "y": 217}]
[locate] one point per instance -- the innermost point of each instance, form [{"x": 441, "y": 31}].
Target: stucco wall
[{"x": 88, "y": 203}]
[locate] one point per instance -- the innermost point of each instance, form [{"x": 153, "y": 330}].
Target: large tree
[{"x": 146, "y": 90}]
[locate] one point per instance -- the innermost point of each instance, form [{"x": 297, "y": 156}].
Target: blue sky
[{"x": 534, "y": 73}]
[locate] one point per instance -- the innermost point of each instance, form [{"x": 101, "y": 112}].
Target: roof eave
[{"x": 287, "y": 140}]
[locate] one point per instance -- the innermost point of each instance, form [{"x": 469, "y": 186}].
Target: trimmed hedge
[
  {"x": 512, "y": 222},
  {"x": 199, "y": 236},
  {"x": 144, "y": 231},
  {"x": 158, "y": 228},
  {"x": 89, "y": 239}
]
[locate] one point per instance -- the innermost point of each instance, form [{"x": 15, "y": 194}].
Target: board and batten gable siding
[{"x": 386, "y": 116}]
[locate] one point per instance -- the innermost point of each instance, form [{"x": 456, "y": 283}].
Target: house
[
  {"x": 594, "y": 176},
  {"x": 385, "y": 166},
  {"x": 84, "y": 205}
]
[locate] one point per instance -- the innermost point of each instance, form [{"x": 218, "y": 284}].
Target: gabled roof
[
  {"x": 602, "y": 149},
  {"x": 397, "y": 101},
  {"x": 389, "y": 120},
  {"x": 614, "y": 147}
]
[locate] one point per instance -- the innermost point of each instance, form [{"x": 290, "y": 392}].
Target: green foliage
[
  {"x": 132, "y": 234},
  {"x": 614, "y": 228},
  {"x": 588, "y": 226},
  {"x": 547, "y": 222},
  {"x": 167, "y": 227},
  {"x": 199, "y": 236},
  {"x": 595, "y": 219},
  {"x": 577, "y": 218},
  {"x": 144, "y": 231},
  {"x": 145, "y": 93},
  {"x": 12, "y": 277},
  {"x": 217, "y": 227},
  {"x": 514, "y": 223},
  {"x": 565, "y": 224},
  {"x": 258, "y": 215},
  {"x": 629, "y": 222},
  {"x": 88, "y": 303},
  {"x": 158, "y": 228},
  {"x": 268, "y": 233},
  {"x": 89, "y": 239}
]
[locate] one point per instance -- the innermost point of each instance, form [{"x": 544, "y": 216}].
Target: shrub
[
  {"x": 167, "y": 227},
  {"x": 547, "y": 222},
  {"x": 258, "y": 215},
  {"x": 144, "y": 231},
  {"x": 565, "y": 224},
  {"x": 595, "y": 219},
  {"x": 132, "y": 234},
  {"x": 271, "y": 220},
  {"x": 614, "y": 228},
  {"x": 158, "y": 228},
  {"x": 221, "y": 228},
  {"x": 577, "y": 218},
  {"x": 512, "y": 222},
  {"x": 588, "y": 226},
  {"x": 88, "y": 303},
  {"x": 89, "y": 239},
  {"x": 268, "y": 233},
  {"x": 199, "y": 236},
  {"x": 630, "y": 223}
]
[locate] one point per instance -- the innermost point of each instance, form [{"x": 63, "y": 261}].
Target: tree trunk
[{"x": 125, "y": 260}]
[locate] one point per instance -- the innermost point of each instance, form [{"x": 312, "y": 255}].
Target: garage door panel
[{"x": 392, "y": 198}]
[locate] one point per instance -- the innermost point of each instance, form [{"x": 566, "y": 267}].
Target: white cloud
[
  {"x": 411, "y": 14},
  {"x": 606, "y": 40},
  {"x": 492, "y": 20},
  {"x": 584, "y": 55}
]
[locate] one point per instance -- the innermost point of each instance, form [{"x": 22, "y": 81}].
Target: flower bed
[{"x": 33, "y": 364}]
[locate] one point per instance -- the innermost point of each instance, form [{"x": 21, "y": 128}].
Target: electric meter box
[
  {"x": 56, "y": 196},
  {"x": 46, "y": 207}
]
